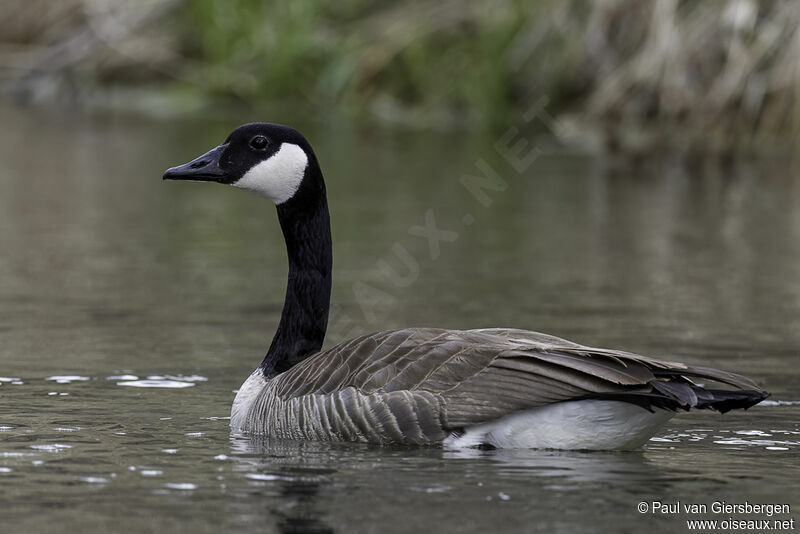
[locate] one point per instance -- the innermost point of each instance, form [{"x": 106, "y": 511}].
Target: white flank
[
  {"x": 245, "y": 398},
  {"x": 278, "y": 177},
  {"x": 575, "y": 425}
]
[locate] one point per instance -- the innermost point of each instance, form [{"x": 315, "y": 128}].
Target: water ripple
[
  {"x": 779, "y": 403},
  {"x": 164, "y": 381},
  {"x": 68, "y": 379},
  {"x": 94, "y": 480},
  {"x": 184, "y": 486},
  {"x": 51, "y": 447},
  {"x": 266, "y": 477},
  {"x": 156, "y": 384}
]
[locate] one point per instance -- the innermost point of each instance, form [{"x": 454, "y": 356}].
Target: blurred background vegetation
[{"x": 620, "y": 74}]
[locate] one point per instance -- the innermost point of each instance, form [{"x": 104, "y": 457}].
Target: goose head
[{"x": 271, "y": 160}]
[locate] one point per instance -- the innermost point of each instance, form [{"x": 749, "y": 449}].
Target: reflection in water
[
  {"x": 574, "y": 467},
  {"x": 298, "y": 478},
  {"x": 302, "y": 476},
  {"x": 304, "y": 516}
]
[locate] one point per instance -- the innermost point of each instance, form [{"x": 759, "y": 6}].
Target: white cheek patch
[{"x": 278, "y": 177}]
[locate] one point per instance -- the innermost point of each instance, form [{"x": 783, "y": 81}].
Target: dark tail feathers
[
  {"x": 681, "y": 393},
  {"x": 677, "y": 392}
]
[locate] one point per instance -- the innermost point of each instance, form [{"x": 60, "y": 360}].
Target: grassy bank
[{"x": 721, "y": 73}]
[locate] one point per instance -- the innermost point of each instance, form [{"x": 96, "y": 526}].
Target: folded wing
[{"x": 481, "y": 375}]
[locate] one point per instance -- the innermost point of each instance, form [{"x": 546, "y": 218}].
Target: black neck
[{"x": 306, "y": 228}]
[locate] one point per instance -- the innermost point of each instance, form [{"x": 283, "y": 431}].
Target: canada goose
[{"x": 497, "y": 387}]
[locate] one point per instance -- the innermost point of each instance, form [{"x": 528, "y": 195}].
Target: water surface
[{"x": 131, "y": 309}]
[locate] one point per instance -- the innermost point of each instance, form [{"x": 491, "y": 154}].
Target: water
[{"x": 131, "y": 309}]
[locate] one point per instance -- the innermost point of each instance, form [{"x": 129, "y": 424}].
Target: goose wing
[{"x": 481, "y": 375}]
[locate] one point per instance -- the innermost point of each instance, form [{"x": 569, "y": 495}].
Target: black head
[{"x": 269, "y": 159}]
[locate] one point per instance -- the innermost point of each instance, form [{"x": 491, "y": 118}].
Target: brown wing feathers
[{"x": 479, "y": 375}]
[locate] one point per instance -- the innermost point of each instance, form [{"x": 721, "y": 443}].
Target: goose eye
[{"x": 259, "y": 142}]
